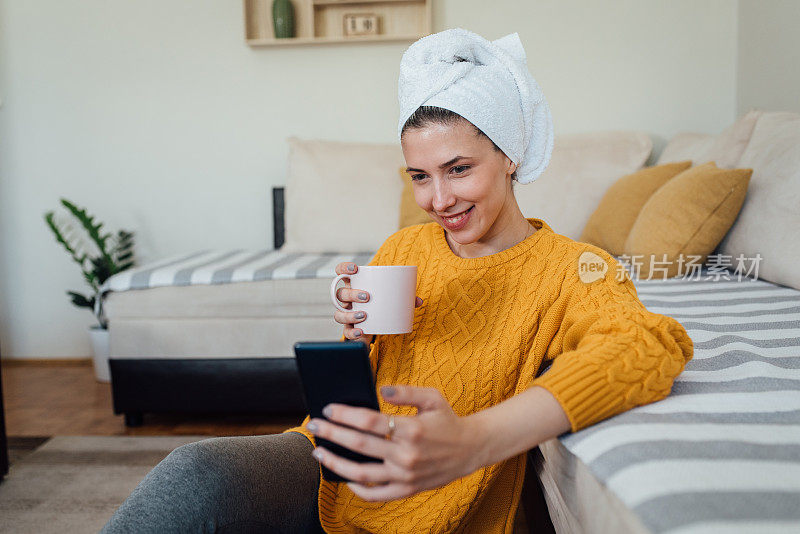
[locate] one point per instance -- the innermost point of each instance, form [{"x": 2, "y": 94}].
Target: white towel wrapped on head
[{"x": 487, "y": 83}]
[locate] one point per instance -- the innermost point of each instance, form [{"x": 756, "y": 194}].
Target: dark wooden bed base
[{"x": 207, "y": 386}]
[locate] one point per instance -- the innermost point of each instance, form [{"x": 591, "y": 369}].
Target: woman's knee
[
  {"x": 207, "y": 457},
  {"x": 187, "y": 459},
  {"x": 195, "y": 468},
  {"x": 195, "y": 455}
]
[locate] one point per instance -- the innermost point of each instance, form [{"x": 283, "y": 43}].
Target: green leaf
[
  {"x": 115, "y": 251},
  {"x": 88, "y": 223},
  {"x": 122, "y": 251},
  {"x": 102, "y": 269},
  {"x": 81, "y": 301},
  {"x": 59, "y": 234}
]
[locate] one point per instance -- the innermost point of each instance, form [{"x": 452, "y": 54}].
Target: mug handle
[{"x": 334, "y": 298}]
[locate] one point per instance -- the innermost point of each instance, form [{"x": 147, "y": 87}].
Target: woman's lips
[
  {"x": 454, "y": 214},
  {"x": 465, "y": 217}
]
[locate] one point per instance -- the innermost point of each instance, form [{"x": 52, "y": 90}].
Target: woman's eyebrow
[{"x": 442, "y": 166}]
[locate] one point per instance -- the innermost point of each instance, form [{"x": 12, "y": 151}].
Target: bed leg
[{"x": 133, "y": 419}]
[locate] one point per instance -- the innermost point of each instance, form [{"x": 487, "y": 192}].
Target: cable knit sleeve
[
  {"x": 609, "y": 352},
  {"x": 384, "y": 256}
]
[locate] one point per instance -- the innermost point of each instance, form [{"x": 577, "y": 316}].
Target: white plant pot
[{"x": 100, "y": 346}]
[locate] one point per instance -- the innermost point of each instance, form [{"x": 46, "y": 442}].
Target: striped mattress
[
  {"x": 720, "y": 454},
  {"x": 222, "y": 267}
]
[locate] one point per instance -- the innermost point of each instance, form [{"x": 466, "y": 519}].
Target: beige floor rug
[{"x": 75, "y": 483}]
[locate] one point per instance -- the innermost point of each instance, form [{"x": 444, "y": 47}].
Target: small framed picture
[{"x": 360, "y": 24}]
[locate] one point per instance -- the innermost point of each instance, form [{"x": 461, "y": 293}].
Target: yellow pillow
[
  {"x": 609, "y": 225},
  {"x": 688, "y": 215},
  {"x": 410, "y": 212}
]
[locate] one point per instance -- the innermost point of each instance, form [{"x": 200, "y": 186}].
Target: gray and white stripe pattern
[
  {"x": 221, "y": 267},
  {"x": 722, "y": 452}
]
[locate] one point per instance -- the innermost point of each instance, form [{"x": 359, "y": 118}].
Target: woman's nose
[{"x": 443, "y": 198}]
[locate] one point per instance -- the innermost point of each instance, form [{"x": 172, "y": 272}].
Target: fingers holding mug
[
  {"x": 335, "y": 293},
  {"x": 348, "y": 317},
  {"x": 347, "y": 294},
  {"x": 350, "y": 320},
  {"x": 356, "y": 334},
  {"x": 347, "y": 267},
  {"x": 388, "y": 297},
  {"x": 344, "y": 296},
  {"x": 350, "y": 295}
]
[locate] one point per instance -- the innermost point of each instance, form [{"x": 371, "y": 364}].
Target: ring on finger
[{"x": 390, "y": 432}]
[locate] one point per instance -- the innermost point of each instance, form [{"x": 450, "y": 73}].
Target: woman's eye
[
  {"x": 462, "y": 167},
  {"x": 416, "y": 177}
]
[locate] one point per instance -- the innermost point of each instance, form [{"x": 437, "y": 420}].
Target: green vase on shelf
[{"x": 283, "y": 18}]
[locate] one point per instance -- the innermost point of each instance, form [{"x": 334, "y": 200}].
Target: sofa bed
[{"x": 720, "y": 454}]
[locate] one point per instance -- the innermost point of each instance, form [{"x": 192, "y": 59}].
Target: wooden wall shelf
[{"x": 322, "y": 21}]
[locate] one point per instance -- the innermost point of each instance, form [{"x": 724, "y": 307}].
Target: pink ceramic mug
[{"x": 392, "y": 295}]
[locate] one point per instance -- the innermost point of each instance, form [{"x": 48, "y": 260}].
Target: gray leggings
[{"x": 238, "y": 484}]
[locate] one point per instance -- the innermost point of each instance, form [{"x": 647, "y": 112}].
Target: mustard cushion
[
  {"x": 608, "y": 227},
  {"x": 410, "y": 212},
  {"x": 688, "y": 216}
]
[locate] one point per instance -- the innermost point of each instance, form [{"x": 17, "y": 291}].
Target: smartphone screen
[{"x": 340, "y": 372}]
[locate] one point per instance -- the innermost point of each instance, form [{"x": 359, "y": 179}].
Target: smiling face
[{"x": 455, "y": 170}]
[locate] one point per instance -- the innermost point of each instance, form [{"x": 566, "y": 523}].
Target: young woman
[{"x": 462, "y": 396}]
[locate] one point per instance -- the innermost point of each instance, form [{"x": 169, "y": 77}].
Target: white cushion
[
  {"x": 687, "y": 146},
  {"x": 341, "y": 197},
  {"x": 725, "y": 149},
  {"x": 582, "y": 167},
  {"x": 770, "y": 215}
]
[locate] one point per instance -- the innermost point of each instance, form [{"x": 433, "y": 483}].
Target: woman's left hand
[{"x": 426, "y": 450}]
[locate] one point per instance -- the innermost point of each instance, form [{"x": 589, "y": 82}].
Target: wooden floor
[{"x": 63, "y": 398}]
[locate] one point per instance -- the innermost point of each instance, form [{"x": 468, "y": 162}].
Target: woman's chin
[{"x": 462, "y": 237}]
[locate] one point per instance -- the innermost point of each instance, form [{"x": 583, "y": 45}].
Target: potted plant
[{"x": 100, "y": 256}]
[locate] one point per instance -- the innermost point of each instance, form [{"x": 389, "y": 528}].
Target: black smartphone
[{"x": 340, "y": 372}]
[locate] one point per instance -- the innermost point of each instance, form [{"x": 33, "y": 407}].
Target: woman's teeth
[{"x": 457, "y": 218}]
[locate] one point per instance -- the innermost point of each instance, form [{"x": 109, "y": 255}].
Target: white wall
[
  {"x": 769, "y": 55},
  {"x": 160, "y": 119}
]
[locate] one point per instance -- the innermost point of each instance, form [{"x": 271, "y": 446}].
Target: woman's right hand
[{"x": 348, "y": 295}]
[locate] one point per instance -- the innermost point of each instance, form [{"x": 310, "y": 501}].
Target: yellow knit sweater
[{"x": 486, "y": 326}]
